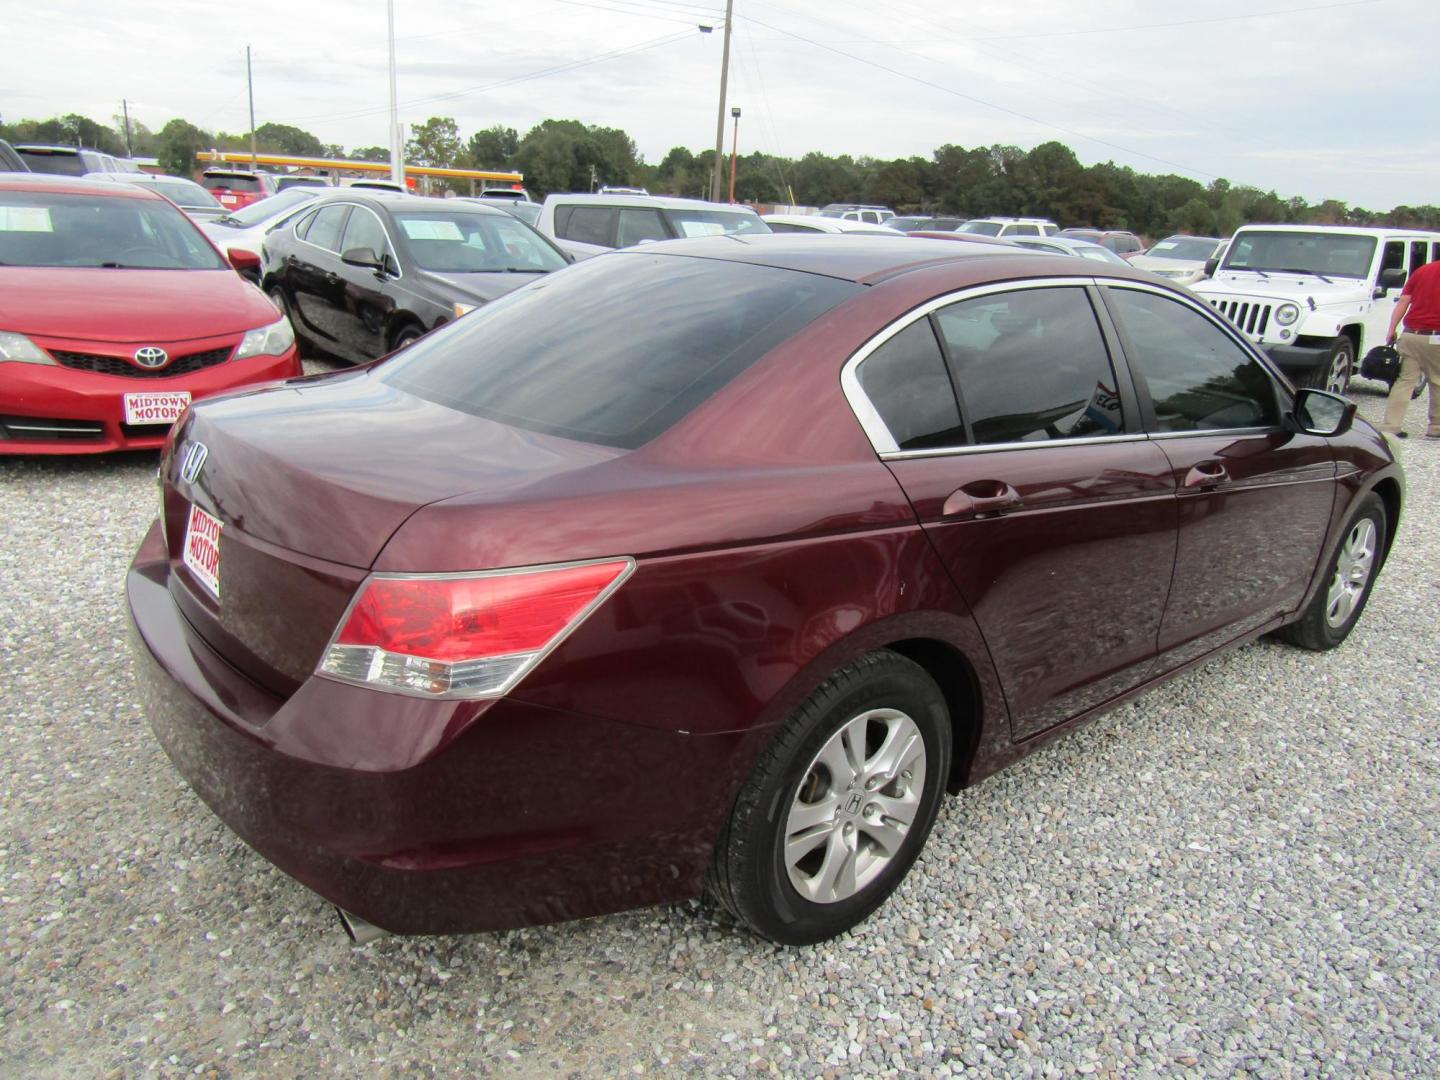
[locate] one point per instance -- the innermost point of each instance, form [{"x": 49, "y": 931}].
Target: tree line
[{"x": 569, "y": 155}]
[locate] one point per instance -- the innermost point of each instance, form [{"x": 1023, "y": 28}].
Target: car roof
[
  {"x": 665, "y": 202},
  {"x": 865, "y": 260},
  {"x": 1352, "y": 230},
  {"x": 73, "y": 185}
]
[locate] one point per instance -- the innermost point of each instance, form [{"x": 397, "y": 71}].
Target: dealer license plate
[
  {"x": 155, "y": 408},
  {"x": 202, "y": 549}
]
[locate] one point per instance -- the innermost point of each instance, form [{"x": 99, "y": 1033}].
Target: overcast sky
[{"x": 1319, "y": 98}]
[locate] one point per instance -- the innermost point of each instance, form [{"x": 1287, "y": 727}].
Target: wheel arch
[
  {"x": 960, "y": 683},
  {"x": 399, "y": 323},
  {"x": 1388, "y": 488}
]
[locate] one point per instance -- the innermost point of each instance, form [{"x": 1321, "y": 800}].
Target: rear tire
[
  {"x": 839, "y": 806},
  {"x": 406, "y": 336},
  {"x": 1349, "y": 580}
]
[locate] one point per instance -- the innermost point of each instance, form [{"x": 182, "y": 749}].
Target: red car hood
[{"x": 129, "y": 305}]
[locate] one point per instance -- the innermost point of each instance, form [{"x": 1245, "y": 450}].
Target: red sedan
[
  {"x": 115, "y": 313},
  {"x": 716, "y": 564}
]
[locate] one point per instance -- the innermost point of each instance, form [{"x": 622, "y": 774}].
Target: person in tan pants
[{"x": 1419, "y": 348}]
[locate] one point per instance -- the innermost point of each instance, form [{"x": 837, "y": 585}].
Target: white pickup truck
[{"x": 1316, "y": 297}]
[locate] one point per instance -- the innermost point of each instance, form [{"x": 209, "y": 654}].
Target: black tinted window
[
  {"x": 323, "y": 228},
  {"x": 1198, "y": 378},
  {"x": 231, "y": 183},
  {"x": 614, "y": 350},
  {"x": 587, "y": 224},
  {"x": 1031, "y": 365},
  {"x": 365, "y": 231},
  {"x": 59, "y": 164},
  {"x": 905, "y": 380}
]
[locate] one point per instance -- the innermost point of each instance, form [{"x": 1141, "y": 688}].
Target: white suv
[
  {"x": 1010, "y": 226},
  {"x": 1316, "y": 297},
  {"x": 586, "y": 225}
]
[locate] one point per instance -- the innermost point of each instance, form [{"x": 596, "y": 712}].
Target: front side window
[
  {"x": 1418, "y": 254},
  {"x": 457, "y": 242},
  {"x": 364, "y": 230},
  {"x": 1198, "y": 377},
  {"x": 1031, "y": 366},
  {"x": 905, "y": 380},
  {"x": 638, "y": 224}
]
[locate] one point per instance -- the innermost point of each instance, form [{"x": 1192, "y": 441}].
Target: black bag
[{"x": 1381, "y": 363}]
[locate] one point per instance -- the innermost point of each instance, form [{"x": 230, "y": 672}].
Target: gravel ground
[{"x": 1236, "y": 874}]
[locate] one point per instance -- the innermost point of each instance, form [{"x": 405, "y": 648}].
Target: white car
[
  {"x": 246, "y": 227},
  {"x": 1007, "y": 227},
  {"x": 814, "y": 223},
  {"x": 591, "y": 224},
  {"x": 197, "y": 203},
  {"x": 1180, "y": 259},
  {"x": 1316, "y": 297},
  {"x": 1064, "y": 245}
]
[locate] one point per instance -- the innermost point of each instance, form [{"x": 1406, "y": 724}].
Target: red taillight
[{"x": 472, "y": 635}]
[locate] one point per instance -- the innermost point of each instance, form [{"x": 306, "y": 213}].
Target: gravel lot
[{"x": 1239, "y": 873}]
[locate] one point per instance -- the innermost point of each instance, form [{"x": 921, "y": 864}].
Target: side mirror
[
  {"x": 365, "y": 257},
  {"x": 246, "y": 263},
  {"x": 1319, "y": 412},
  {"x": 1211, "y": 265},
  {"x": 1392, "y": 279}
]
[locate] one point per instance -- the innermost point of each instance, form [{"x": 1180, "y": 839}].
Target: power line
[
  {"x": 1187, "y": 22},
  {"x": 977, "y": 100}
]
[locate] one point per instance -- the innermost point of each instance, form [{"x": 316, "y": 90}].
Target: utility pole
[
  {"x": 250, "y": 87},
  {"x": 125, "y": 108},
  {"x": 592, "y": 178},
  {"x": 718, "y": 179},
  {"x": 397, "y": 148}
]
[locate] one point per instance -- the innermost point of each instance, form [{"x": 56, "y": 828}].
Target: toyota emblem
[{"x": 151, "y": 356}]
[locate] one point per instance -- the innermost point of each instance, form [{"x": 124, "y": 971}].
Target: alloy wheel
[
  {"x": 856, "y": 804},
  {"x": 1353, "y": 568},
  {"x": 1337, "y": 379}
]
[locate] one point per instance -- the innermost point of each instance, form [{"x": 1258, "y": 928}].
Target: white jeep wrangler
[{"x": 1316, "y": 297}]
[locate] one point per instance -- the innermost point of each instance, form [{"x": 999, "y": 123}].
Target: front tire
[
  {"x": 1335, "y": 370},
  {"x": 839, "y": 806},
  {"x": 1349, "y": 580}
]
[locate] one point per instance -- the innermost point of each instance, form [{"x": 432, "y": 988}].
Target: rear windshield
[
  {"x": 47, "y": 229},
  {"x": 181, "y": 193},
  {"x": 266, "y": 209},
  {"x": 231, "y": 183},
  {"x": 616, "y": 349},
  {"x": 43, "y": 161}
]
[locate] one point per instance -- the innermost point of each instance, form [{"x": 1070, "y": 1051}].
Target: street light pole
[
  {"x": 397, "y": 160},
  {"x": 718, "y": 179},
  {"x": 250, "y": 89},
  {"x": 734, "y": 149}
]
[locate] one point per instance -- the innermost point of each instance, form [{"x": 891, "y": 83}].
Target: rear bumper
[
  {"x": 92, "y": 406},
  {"x": 431, "y": 817}
]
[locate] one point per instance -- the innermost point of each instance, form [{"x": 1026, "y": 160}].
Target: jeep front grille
[{"x": 1252, "y": 318}]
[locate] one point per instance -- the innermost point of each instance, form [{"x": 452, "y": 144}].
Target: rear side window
[
  {"x": 614, "y": 350},
  {"x": 1031, "y": 365},
  {"x": 323, "y": 228},
  {"x": 638, "y": 224},
  {"x": 1198, "y": 378},
  {"x": 905, "y": 380},
  {"x": 586, "y": 224}
]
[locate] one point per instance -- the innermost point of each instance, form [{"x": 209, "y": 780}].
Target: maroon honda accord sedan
[{"x": 715, "y": 564}]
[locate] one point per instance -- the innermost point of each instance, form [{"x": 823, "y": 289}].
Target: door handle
[
  {"x": 981, "y": 498},
  {"x": 1207, "y": 474}
]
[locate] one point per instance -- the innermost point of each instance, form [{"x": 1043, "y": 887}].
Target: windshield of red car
[
  {"x": 42, "y": 228},
  {"x": 616, "y": 349}
]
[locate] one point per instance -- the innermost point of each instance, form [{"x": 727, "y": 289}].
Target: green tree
[
  {"x": 370, "y": 153},
  {"x": 493, "y": 148},
  {"x": 435, "y": 142},
  {"x": 287, "y": 139},
  {"x": 179, "y": 141}
]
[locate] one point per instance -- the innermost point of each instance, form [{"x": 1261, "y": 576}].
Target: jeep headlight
[
  {"x": 272, "y": 340},
  {"x": 1286, "y": 314}
]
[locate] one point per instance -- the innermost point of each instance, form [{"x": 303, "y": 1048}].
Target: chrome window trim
[
  {"x": 990, "y": 448},
  {"x": 875, "y": 428},
  {"x": 393, "y": 251}
]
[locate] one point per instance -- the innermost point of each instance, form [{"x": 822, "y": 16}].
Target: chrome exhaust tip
[{"x": 358, "y": 930}]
